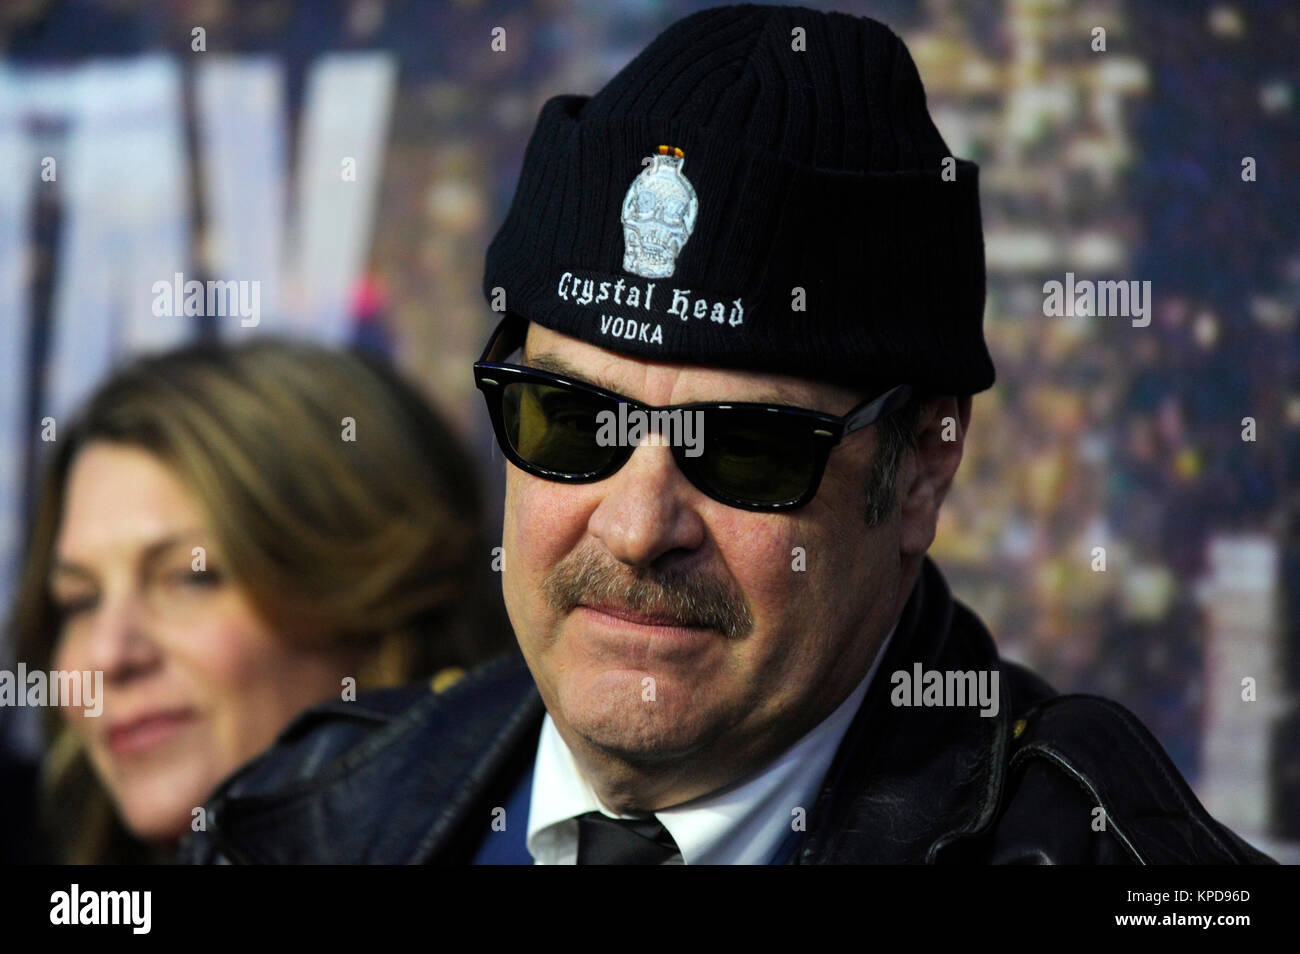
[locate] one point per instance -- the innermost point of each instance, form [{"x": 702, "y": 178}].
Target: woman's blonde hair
[{"x": 345, "y": 508}]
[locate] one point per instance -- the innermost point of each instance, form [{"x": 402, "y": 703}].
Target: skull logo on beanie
[{"x": 658, "y": 215}]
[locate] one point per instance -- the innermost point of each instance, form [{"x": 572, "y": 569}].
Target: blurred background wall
[{"x": 353, "y": 157}]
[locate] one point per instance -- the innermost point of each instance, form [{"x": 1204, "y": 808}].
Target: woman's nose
[{"x": 115, "y": 641}]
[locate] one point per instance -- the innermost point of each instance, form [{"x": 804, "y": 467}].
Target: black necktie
[{"x": 623, "y": 841}]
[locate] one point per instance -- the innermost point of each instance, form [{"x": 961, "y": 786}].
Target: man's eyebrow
[{"x": 548, "y": 361}]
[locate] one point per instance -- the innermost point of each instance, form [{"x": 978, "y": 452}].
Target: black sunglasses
[{"x": 765, "y": 457}]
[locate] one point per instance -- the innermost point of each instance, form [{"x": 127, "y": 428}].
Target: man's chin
[{"x": 627, "y": 718}]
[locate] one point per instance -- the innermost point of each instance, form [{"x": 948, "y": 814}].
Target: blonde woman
[{"x": 231, "y": 535}]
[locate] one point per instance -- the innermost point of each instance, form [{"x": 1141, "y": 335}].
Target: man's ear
[{"x": 928, "y": 471}]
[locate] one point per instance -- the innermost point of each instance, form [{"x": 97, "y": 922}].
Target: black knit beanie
[{"x": 761, "y": 188}]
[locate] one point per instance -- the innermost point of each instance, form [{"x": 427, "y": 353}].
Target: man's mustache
[{"x": 585, "y": 578}]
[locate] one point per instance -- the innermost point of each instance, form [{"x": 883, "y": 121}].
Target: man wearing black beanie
[{"x": 743, "y": 291}]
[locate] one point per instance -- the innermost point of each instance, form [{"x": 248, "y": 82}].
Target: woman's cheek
[
  {"x": 222, "y": 669},
  {"x": 66, "y": 659}
]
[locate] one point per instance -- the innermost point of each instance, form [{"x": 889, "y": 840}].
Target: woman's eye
[
  {"x": 187, "y": 580},
  {"x": 197, "y": 578},
  {"x": 68, "y": 608}
]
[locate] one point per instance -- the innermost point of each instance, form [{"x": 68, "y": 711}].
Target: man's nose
[
  {"x": 116, "y": 640},
  {"x": 647, "y": 511}
]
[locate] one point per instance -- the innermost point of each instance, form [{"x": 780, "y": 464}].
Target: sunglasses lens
[
  {"x": 759, "y": 457},
  {"x": 554, "y": 428},
  {"x": 752, "y": 458}
]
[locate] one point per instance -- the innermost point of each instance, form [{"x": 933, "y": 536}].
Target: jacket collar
[
  {"x": 907, "y": 782},
  {"x": 408, "y": 793}
]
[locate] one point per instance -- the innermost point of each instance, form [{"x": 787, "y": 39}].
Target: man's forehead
[{"x": 561, "y": 354}]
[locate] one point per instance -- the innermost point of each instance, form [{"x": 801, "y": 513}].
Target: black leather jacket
[{"x": 409, "y": 775}]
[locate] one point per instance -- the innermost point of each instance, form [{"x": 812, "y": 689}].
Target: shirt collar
[{"x": 742, "y": 824}]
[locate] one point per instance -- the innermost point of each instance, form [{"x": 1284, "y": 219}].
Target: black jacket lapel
[{"x": 907, "y": 781}]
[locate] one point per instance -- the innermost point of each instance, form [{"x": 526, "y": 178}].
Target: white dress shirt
[{"x": 741, "y": 825}]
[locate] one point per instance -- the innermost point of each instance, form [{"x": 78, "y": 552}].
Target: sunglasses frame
[{"x": 492, "y": 375}]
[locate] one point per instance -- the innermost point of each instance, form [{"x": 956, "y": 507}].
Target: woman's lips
[{"x": 137, "y": 735}]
